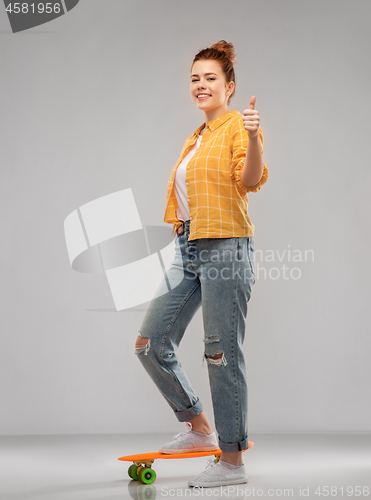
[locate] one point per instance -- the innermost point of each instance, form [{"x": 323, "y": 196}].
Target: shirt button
[
  {"x": 187, "y": 166},
  {"x": 187, "y": 183},
  {"x": 188, "y": 199}
]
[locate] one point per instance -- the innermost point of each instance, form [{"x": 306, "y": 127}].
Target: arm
[
  {"x": 253, "y": 168},
  {"x": 246, "y": 160}
]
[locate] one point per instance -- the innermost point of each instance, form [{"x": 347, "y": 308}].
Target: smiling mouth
[{"x": 203, "y": 96}]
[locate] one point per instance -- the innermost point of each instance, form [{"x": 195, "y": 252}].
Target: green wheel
[
  {"x": 132, "y": 471},
  {"x": 147, "y": 475}
]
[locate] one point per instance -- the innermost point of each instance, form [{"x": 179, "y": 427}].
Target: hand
[{"x": 251, "y": 119}]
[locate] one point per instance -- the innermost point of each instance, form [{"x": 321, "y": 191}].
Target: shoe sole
[
  {"x": 187, "y": 450},
  {"x": 220, "y": 483}
]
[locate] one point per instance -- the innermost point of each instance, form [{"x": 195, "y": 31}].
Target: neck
[{"x": 213, "y": 114}]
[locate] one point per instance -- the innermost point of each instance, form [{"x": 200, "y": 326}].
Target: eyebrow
[{"x": 205, "y": 74}]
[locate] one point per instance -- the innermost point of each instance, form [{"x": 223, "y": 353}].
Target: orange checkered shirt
[{"x": 217, "y": 198}]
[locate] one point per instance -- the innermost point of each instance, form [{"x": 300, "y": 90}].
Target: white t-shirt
[{"x": 180, "y": 187}]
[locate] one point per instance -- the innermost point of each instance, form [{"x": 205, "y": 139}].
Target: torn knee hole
[
  {"x": 141, "y": 341},
  {"x": 142, "y": 345},
  {"x": 213, "y": 338},
  {"x": 216, "y": 359},
  {"x": 216, "y": 356}
]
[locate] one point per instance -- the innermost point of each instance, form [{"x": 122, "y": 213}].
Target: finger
[
  {"x": 251, "y": 123},
  {"x": 252, "y": 102},
  {"x": 251, "y": 113}
]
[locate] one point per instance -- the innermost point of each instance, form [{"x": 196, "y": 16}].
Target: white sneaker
[
  {"x": 219, "y": 474},
  {"x": 189, "y": 441}
]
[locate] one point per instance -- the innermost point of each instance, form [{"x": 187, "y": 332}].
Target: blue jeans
[{"x": 218, "y": 274}]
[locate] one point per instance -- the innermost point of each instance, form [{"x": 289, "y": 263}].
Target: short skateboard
[{"x": 141, "y": 468}]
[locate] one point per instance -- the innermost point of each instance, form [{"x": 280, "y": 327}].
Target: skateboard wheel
[
  {"x": 147, "y": 475},
  {"x": 132, "y": 471}
]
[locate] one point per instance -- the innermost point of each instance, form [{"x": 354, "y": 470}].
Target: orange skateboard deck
[{"x": 141, "y": 468}]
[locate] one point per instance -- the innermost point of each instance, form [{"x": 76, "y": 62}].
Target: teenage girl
[{"x": 214, "y": 267}]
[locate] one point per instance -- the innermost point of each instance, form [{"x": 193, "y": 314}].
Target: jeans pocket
[
  {"x": 239, "y": 249},
  {"x": 251, "y": 255}
]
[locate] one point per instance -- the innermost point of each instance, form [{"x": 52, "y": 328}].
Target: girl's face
[{"x": 208, "y": 88}]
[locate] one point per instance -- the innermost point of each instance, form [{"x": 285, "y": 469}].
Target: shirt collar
[{"x": 214, "y": 124}]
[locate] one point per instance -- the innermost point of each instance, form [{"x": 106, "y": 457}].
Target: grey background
[{"x": 98, "y": 101}]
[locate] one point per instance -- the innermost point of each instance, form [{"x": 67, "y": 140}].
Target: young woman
[{"x": 214, "y": 267}]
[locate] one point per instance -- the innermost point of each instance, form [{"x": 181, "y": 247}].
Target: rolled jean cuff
[
  {"x": 185, "y": 415},
  {"x": 232, "y": 447}
]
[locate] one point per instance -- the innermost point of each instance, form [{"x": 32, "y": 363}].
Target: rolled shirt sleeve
[{"x": 239, "y": 147}]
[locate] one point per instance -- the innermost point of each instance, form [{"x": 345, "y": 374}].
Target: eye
[{"x": 210, "y": 78}]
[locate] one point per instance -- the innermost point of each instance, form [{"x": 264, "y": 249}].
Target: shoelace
[{"x": 189, "y": 425}]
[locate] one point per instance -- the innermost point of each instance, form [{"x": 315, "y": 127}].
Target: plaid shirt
[{"x": 217, "y": 198}]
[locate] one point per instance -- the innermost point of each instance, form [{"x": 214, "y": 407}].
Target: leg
[
  {"x": 226, "y": 281},
  {"x": 201, "y": 424},
  {"x": 161, "y": 331}
]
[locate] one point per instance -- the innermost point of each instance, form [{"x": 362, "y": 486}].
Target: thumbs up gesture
[{"x": 251, "y": 119}]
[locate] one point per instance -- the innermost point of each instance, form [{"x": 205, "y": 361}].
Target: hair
[{"x": 224, "y": 53}]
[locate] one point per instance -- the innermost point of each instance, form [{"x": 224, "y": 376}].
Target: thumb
[{"x": 252, "y": 102}]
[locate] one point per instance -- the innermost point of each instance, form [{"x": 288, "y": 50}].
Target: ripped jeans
[{"x": 217, "y": 273}]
